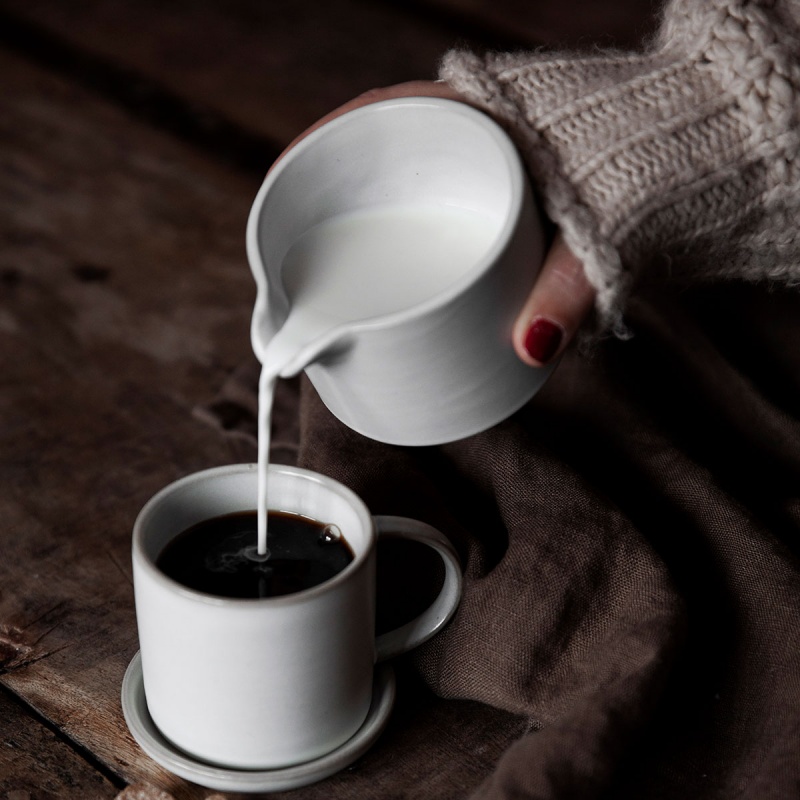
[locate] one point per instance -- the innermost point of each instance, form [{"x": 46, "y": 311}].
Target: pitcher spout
[{"x": 296, "y": 345}]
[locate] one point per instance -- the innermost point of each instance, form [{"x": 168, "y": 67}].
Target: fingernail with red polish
[{"x": 543, "y": 339}]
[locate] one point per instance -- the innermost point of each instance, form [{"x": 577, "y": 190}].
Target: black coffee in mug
[{"x": 219, "y": 556}]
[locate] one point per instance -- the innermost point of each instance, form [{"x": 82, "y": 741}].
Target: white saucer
[{"x": 141, "y": 725}]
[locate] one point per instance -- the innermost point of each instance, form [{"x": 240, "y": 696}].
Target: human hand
[{"x": 561, "y": 297}]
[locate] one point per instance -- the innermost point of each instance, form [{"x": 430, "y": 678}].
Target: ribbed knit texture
[{"x": 679, "y": 162}]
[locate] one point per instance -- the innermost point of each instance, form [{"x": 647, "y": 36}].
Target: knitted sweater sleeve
[{"x": 680, "y": 160}]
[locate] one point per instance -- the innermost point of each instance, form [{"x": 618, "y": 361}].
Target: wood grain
[
  {"x": 580, "y": 24},
  {"x": 36, "y": 763},
  {"x": 271, "y": 68},
  {"x": 124, "y": 305},
  {"x": 125, "y": 301}
]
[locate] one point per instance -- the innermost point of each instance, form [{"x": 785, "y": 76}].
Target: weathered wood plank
[
  {"x": 272, "y": 68},
  {"x": 35, "y": 763},
  {"x": 577, "y": 24},
  {"x": 124, "y": 302}
]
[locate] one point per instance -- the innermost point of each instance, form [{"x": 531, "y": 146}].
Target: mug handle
[{"x": 435, "y": 617}]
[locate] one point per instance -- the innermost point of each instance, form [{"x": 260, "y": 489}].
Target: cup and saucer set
[
  {"x": 267, "y": 693},
  {"x": 230, "y": 779}
]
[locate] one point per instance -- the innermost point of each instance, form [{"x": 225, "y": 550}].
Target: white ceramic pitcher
[{"x": 444, "y": 367}]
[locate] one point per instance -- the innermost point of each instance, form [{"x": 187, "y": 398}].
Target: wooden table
[{"x": 134, "y": 137}]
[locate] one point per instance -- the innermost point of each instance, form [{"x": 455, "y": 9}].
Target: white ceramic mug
[
  {"x": 267, "y": 683},
  {"x": 443, "y": 368}
]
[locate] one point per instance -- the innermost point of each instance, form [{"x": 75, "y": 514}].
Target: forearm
[{"x": 683, "y": 157}]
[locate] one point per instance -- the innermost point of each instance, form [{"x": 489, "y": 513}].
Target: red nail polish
[{"x": 543, "y": 339}]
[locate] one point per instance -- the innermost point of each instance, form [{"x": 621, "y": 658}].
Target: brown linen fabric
[{"x": 630, "y": 544}]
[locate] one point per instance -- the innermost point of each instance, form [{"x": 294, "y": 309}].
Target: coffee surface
[{"x": 219, "y": 556}]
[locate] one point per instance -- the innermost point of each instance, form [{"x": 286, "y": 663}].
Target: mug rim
[
  {"x": 141, "y": 558},
  {"x": 517, "y": 178}
]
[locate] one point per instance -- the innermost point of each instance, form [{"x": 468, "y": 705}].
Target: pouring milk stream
[
  {"x": 353, "y": 268},
  {"x": 392, "y": 249}
]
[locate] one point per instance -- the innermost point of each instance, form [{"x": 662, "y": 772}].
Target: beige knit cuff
[{"x": 680, "y": 160}]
